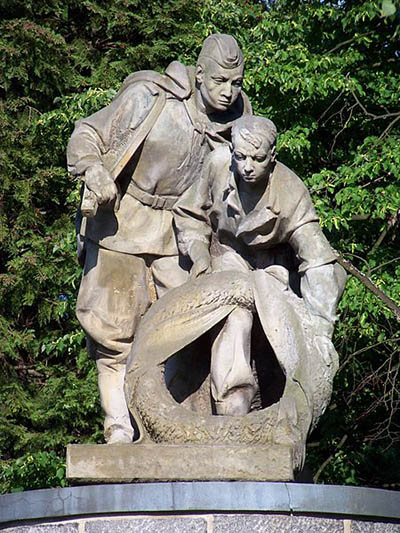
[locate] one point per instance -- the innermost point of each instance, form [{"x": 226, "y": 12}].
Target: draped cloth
[{"x": 187, "y": 312}]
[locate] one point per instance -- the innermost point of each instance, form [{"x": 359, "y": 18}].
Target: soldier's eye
[{"x": 239, "y": 156}]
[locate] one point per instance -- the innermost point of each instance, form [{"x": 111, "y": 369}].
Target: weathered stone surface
[
  {"x": 263, "y": 523},
  {"x": 364, "y": 526},
  {"x": 149, "y": 462},
  {"x": 147, "y": 525},
  {"x": 157, "y": 133},
  {"x": 212, "y": 523},
  {"x": 214, "y": 497},
  {"x": 184, "y": 201},
  {"x": 45, "y": 528}
]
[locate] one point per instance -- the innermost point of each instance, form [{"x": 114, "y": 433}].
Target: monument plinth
[{"x": 125, "y": 463}]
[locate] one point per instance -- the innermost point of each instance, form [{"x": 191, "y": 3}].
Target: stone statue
[
  {"x": 262, "y": 299},
  {"x": 137, "y": 156}
]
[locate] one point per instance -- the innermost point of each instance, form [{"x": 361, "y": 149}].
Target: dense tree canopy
[{"x": 326, "y": 72}]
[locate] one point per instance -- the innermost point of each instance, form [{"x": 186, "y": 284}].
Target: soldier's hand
[
  {"x": 99, "y": 181},
  {"x": 201, "y": 266},
  {"x": 200, "y": 256}
]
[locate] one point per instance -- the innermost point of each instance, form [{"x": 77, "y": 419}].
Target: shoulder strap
[
  {"x": 89, "y": 202},
  {"x": 142, "y": 132}
]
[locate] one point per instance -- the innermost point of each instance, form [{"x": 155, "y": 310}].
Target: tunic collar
[
  {"x": 231, "y": 195},
  {"x": 261, "y": 219}
]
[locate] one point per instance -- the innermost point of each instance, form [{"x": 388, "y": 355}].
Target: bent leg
[
  {"x": 232, "y": 383},
  {"x": 169, "y": 272},
  {"x": 112, "y": 298}
]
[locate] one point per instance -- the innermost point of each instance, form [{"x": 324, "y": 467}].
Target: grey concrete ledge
[{"x": 189, "y": 497}]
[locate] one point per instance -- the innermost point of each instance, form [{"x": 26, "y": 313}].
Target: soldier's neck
[
  {"x": 202, "y": 114},
  {"x": 201, "y": 107},
  {"x": 251, "y": 193}
]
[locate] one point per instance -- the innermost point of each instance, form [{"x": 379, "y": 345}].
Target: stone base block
[{"x": 125, "y": 463}]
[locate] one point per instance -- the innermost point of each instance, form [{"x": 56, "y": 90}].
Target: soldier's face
[
  {"x": 219, "y": 87},
  {"x": 250, "y": 163}
]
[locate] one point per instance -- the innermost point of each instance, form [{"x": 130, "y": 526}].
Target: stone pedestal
[
  {"x": 123, "y": 463},
  {"x": 204, "y": 507}
]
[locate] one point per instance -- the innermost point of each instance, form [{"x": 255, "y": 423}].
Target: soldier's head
[
  {"x": 254, "y": 146},
  {"x": 219, "y": 72}
]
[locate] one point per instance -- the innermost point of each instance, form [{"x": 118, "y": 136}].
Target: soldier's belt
[{"x": 153, "y": 200}]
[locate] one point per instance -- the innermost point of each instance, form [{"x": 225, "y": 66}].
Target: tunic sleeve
[
  {"x": 102, "y": 136},
  {"x": 322, "y": 278},
  {"x": 191, "y": 212}
]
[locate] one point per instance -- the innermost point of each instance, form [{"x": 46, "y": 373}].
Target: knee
[
  {"x": 241, "y": 318},
  {"x": 110, "y": 362}
]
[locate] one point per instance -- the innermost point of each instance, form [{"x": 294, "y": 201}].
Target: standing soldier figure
[{"x": 136, "y": 157}]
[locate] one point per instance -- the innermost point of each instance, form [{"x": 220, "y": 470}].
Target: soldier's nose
[
  {"x": 248, "y": 167},
  {"x": 227, "y": 91}
]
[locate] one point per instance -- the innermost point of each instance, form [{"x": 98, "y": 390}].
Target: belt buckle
[{"x": 158, "y": 202}]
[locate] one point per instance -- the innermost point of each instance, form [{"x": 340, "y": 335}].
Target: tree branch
[
  {"x": 329, "y": 459},
  {"x": 379, "y": 241},
  {"x": 372, "y": 115},
  {"x": 389, "y": 127},
  {"x": 351, "y": 269},
  {"x": 384, "y": 264},
  {"x": 341, "y": 131},
  {"x": 365, "y": 349},
  {"x": 359, "y": 217},
  {"x": 349, "y": 41},
  {"x": 390, "y": 223},
  {"x": 330, "y": 105}
]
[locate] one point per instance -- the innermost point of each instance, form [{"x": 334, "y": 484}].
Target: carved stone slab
[{"x": 165, "y": 462}]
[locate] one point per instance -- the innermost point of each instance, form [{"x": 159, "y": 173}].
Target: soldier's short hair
[
  {"x": 254, "y": 130},
  {"x": 223, "y": 49}
]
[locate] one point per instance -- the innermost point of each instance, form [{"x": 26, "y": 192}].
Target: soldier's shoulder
[
  {"x": 287, "y": 176},
  {"x": 175, "y": 81},
  {"x": 135, "y": 85},
  {"x": 220, "y": 157}
]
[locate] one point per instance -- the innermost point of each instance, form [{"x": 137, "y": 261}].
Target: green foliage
[
  {"x": 327, "y": 73},
  {"x": 33, "y": 471},
  {"x": 48, "y": 391}
]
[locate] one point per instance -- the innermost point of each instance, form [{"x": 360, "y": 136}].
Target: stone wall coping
[{"x": 207, "y": 496}]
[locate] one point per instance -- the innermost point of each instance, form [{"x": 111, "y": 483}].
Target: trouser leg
[
  {"x": 111, "y": 375},
  {"x": 113, "y": 296},
  {"x": 169, "y": 272},
  {"x": 232, "y": 382}
]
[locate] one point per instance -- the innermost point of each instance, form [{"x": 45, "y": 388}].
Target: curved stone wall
[{"x": 210, "y": 507}]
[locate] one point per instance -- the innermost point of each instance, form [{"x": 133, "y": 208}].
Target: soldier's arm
[
  {"x": 103, "y": 133},
  {"x": 322, "y": 278},
  {"x": 192, "y": 222}
]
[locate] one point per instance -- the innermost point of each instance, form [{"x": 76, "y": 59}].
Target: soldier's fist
[
  {"x": 201, "y": 258},
  {"x": 99, "y": 181}
]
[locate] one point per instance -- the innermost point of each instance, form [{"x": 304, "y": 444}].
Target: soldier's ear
[
  {"x": 273, "y": 153},
  {"x": 199, "y": 74}
]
